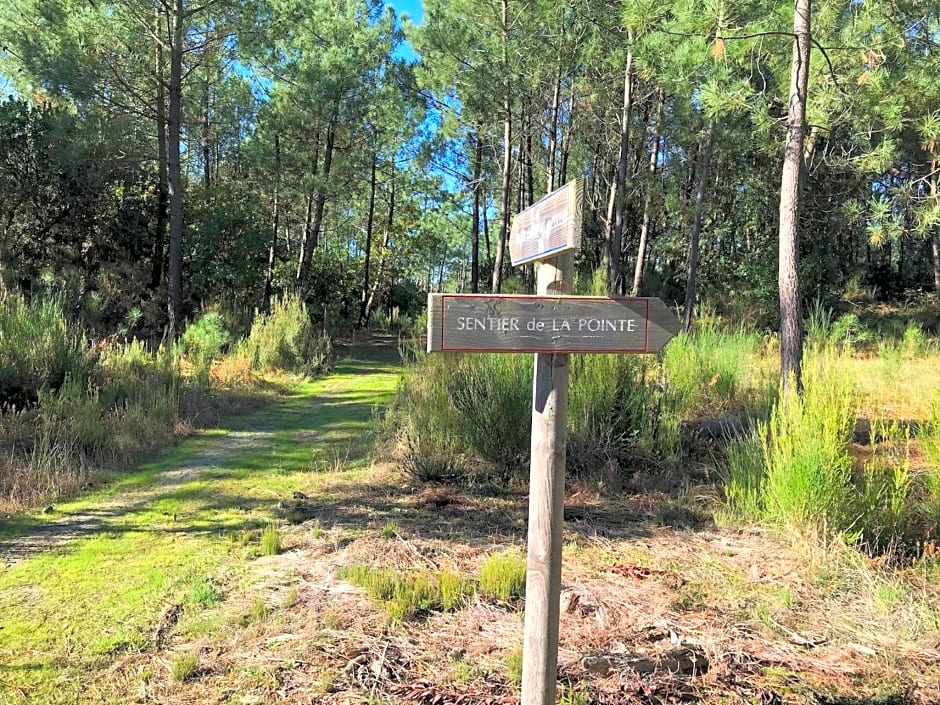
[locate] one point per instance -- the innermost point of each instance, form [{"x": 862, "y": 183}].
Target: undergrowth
[{"x": 69, "y": 410}]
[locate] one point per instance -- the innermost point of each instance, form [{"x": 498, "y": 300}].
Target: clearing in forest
[{"x": 285, "y": 559}]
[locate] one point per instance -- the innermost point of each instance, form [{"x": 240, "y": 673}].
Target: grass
[
  {"x": 271, "y": 544},
  {"x": 184, "y": 667},
  {"x": 503, "y": 575},
  {"x": 110, "y": 586},
  {"x": 407, "y": 595}
]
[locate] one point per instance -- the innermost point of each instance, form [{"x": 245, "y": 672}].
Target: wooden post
[{"x": 546, "y": 504}]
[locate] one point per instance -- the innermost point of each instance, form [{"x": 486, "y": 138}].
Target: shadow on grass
[{"x": 288, "y": 436}]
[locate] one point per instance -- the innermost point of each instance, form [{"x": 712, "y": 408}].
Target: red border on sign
[{"x": 539, "y": 297}]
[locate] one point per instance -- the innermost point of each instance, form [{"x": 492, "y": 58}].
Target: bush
[
  {"x": 39, "y": 349},
  {"x": 202, "y": 342},
  {"x": 469, "y": 417},
  {"x": 503, "y": 576},
  {"x": 808, "y": 480},
  {"x": 705, "y": 370},
  {"x": 285, "y": 339}
]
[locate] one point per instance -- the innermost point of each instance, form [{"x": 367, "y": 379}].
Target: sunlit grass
[{"x": 67, "y": 612}]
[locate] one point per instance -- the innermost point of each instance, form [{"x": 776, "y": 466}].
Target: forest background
[{"x": 163, "y": 157}]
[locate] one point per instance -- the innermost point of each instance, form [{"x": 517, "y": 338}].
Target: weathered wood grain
[
  {"x": 564, "y": 324},
  {"x": 546, "y": 506}
]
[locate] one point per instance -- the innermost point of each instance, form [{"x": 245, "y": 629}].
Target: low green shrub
[
  {"x": 468, "y": 417},
  {"x": 39, "y": 350},
  {"x": 285, "y": 339},
  {"x": 503, "y": 576},
  {"x": 808, "y": 467},
  {"x": 406, "y": 595},
  {"x": 706, "y": 370},
  {"x": 202, "y": 342}
]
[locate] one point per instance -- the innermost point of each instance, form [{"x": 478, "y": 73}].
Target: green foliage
[
  {"x": 285, "y": 339},
  {"x": 184, "y": 667},
  {"x": 706, "y": 370},
  {"x": 271, "y": 544},
  {"x": 407, "y": 595},
  {"x": 205, "y": 593},
  {"x": 743, "y": 473},
  {"x": 39, "y": 350},
  {"x": 805, "y": 444},
  {"x": 848, "y": 332},
  {"x": 915, "y": 342},
  {"x": 503, "y": 576},
  {"x": 514, "y": 666},
  {"x": 202, "y": 342}
]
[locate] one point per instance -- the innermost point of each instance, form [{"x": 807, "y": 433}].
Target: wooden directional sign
[
  {"x": 548, "y": 324},
  {"x": 549, "y": 227}
]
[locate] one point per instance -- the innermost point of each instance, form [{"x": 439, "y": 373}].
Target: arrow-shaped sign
[{"x": 552, "y": 324}]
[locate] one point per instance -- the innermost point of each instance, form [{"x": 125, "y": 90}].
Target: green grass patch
[
  {"x": 503, "y": 576},
  {"x": 406, "y": 595},
  {"x": 66, "y": 613}
]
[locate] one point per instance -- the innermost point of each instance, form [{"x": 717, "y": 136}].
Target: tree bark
[
  {"x": 507, "y": 158},
  {"x": 319, "y": 205},
  {"x": 701, "y": 183},
  {"x": 275, "y": 224},
  {"x": 935, "y": 239},
  {"x": 553, "y": 125},
  {"x": 386, "y": 243},
  {"x": 156, "y": 265},
  {"x": 370, "y": 220},
  {"x": 174, "y": 173},
  {"x": 613, "y": 234},
  {"x": 475, "y": 218},
  {"x": 647, "y": 200},
  {"x": 206, "y": 139},
  {"x": 788, "y": 278}
]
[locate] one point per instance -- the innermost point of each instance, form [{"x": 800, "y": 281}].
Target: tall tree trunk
[
  {"x": 475, "y": 219},
  {"x": 692, "y": 270},
  {"x": 648, "y": 199},
  {"x": 935, "y": 248},
  {"x": 553, "y": 124},
  {"x": 788, "y": 279},
  {"x": 935, "y": 239},
  {"x": 319, "y": 205},
  {"x": 275, "y": 224},
  {"x": 386, "y": 243},
  {"x": 156, "y": 265},
  {"x": 507, "y": 158},
  {"x": 486, "y": 226},
  {"x": 613, "y": 234},
  {"x": 206, "y": 139},
  {"x": 370, "y": 221},
  {"x": 566, "y": 139},
  {"x": 174, "y": 173}
]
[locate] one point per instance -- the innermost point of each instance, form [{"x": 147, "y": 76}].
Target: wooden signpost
[{"x": 551, "y": 324}]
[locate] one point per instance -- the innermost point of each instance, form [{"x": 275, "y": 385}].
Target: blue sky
[{"x": 414, "y": 8}]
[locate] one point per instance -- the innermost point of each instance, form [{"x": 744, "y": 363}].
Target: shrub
[
  {"x": 469, "y": 417},
  {"x": 503, "y": 576},
  {"x": 39, "y": 349},
  {"x": 202, "y": 342},
  {"x": 705, "y": 370},
  {"x": 915, "y": 341},
  {"x": 285, "y": 339},
  {"x": 805, "y": 446}
]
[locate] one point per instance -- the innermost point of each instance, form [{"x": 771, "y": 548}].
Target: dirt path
[{"x": 301, "y": 415}]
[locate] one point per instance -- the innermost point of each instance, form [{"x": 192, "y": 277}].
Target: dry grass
[{"x": 776, "y": 622}]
